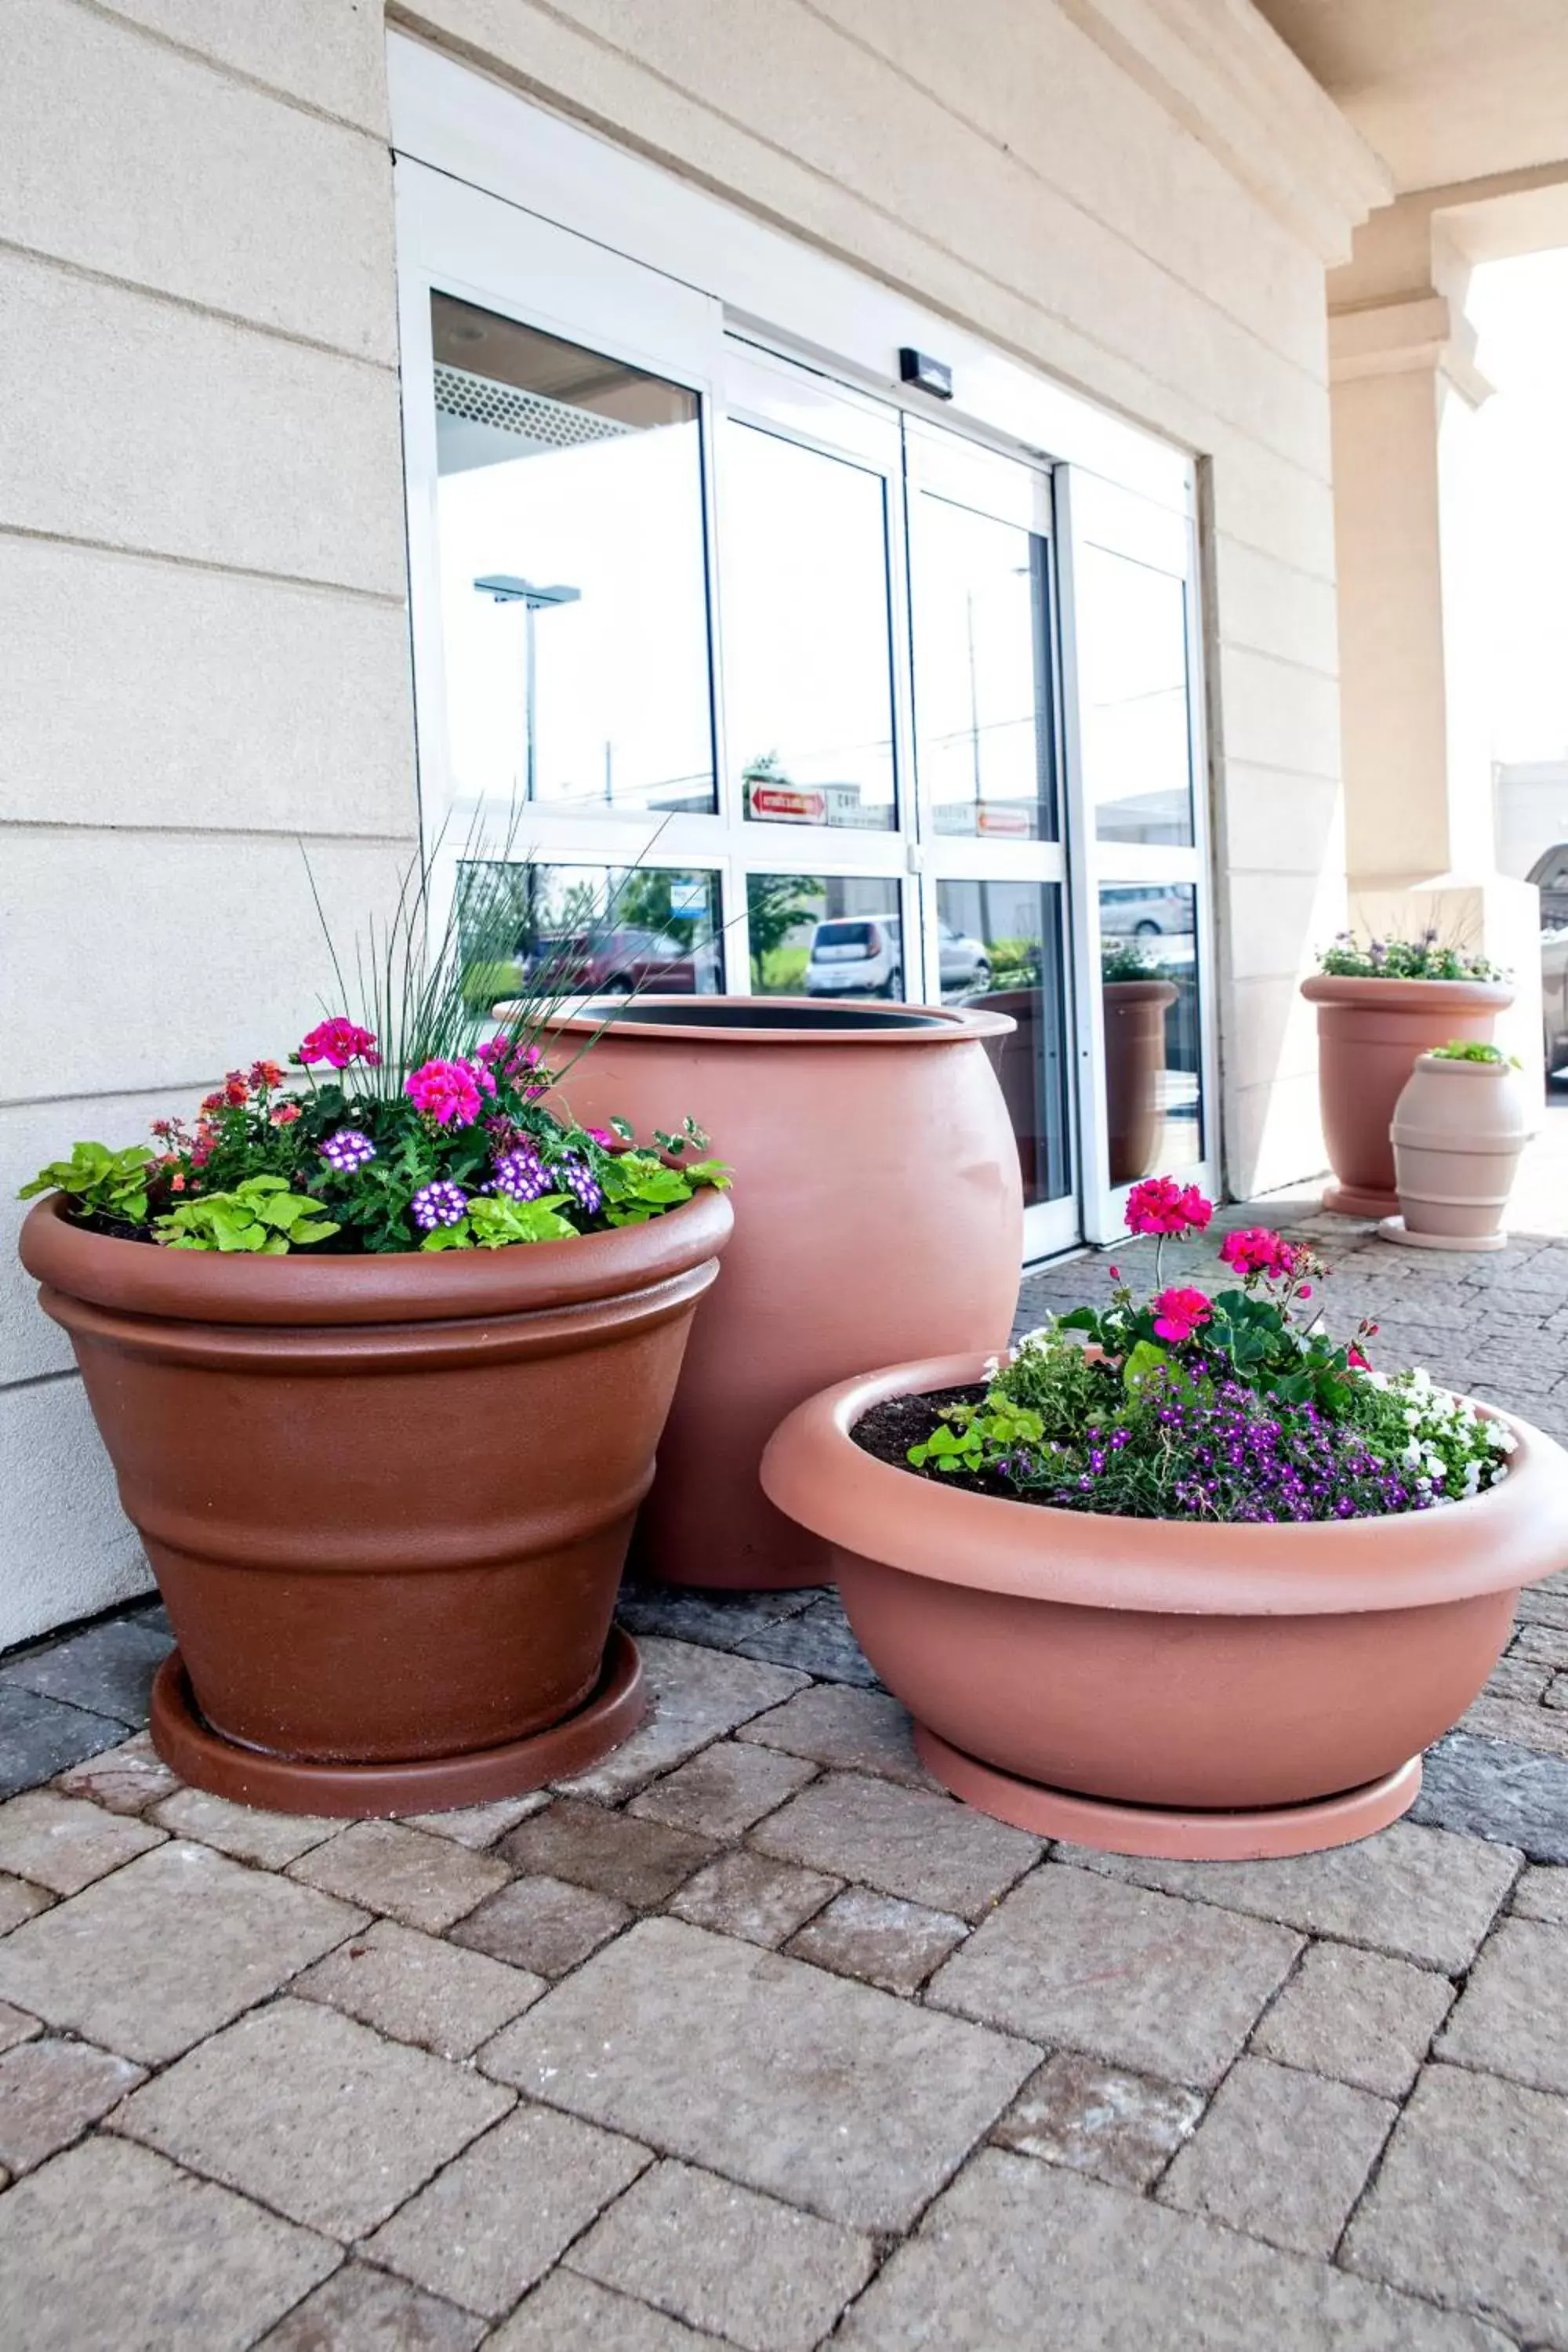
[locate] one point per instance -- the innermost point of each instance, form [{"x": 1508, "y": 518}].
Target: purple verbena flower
[
  {"x": 520, "y": 1174},
  {"x": 347, "y": 1151},
  {"x": 580, "y": 1180},
  {"x": 440, "y": 1204}
]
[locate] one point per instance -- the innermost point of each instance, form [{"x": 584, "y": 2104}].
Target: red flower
[
  {"x": 286, "y": 1114},
  {"x": 1358, "y": 1362},
  {"x": 338, "y": 1042},
  {"x": 1160, "y": 1205},
  {"x": 264, "y": 1076},
  {"x": 235, "y": 1090},
  {"x": 1179, "y": 1313},
  {"x": 1253, "y": 1249}
]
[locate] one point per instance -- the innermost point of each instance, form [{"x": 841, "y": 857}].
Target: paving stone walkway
[{"x": 752, "y": 2037}]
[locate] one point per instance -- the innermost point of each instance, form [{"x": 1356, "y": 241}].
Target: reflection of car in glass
[
  {"x": 851, "y": 954},
  {"x": 1145, "y": 910},
  {"x": 616, "y": 962},
  {"x": 962, "y": 962},
  {"x": 1550, "y": 875}
]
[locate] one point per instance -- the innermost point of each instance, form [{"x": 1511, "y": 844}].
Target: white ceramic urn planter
[{"x": 1457, "y": 1130}]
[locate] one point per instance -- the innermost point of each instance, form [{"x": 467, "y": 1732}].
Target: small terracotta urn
[
  {"x": 1135, "y": 1014},
  {"x": 1457, "y": 1130}
]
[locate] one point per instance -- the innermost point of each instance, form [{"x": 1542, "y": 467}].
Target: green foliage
[
  {"x": 490, "y": 983},
  {"x": 261, "y": 1214},
  {"x": 639, "y": 1185},
  {"x": 100, "y": 1183},
  {"x": 493, "y": 1221},
  {"x": 1425, "y": 958},
  {"x": 1471, "y": 1049},
  {"x": 1124, "y": 959}
]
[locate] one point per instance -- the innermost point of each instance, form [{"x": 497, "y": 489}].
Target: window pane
[
  {"x": 807, "y": 668},
  {"x": 999, "y": 944},
  {"x": 983, "y": 708},
  {"x": 825, "y": 936},
  {"x": 1132, "y": 657},
  {"x": 572, "y": 572},
  {"x": 602, "y": 930},
  {"x": 1154, "y": 1066}
]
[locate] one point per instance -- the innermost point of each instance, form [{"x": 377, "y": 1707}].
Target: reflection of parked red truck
[
  {"x": 1550, "y": 875},
  {"x": 617, "y": 962}
]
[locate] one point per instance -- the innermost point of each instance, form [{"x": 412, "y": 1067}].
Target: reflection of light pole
[{"x": 508, "y": 590}]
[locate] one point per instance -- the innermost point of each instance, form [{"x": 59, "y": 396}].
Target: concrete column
[{"x": 1418, "y": 794}]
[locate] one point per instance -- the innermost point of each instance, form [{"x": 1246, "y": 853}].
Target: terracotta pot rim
[
  {"x": 402, "y": 1286},
  {"x": 813, "y": 1470},
  {"x": 953, "y": 1024},
  {"x": 1407, "y": 995},
  {"x": 1141, "y": 992}
]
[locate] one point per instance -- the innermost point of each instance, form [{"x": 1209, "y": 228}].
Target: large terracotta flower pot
[
  {"x": 1459, "y": 1128},
  {"x": 1135, "y": 1014},
  {"x": 881, "y": 1212},
  {"x": 1369, "y": 1034},
  {"x": 1156, "y": 1687},
  {"x": 386, "y": 1499}
]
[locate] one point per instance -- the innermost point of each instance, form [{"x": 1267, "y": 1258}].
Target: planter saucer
[
  {"x": 1395, "y": 1229},
  {"x": 1167, "y": 1834},
  {"x": 430, "y": 1784},
  {"x": 1350, "y": 1201}
]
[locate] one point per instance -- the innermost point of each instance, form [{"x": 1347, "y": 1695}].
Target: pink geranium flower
[
  {"x": 1253, "y": 1249},
  {"x": 1179, "y": 1313},
  {"x": 338, "y": 1042},
  {"x": 449, "y": 1092},
  {"x": 1160, "y": 1205}
]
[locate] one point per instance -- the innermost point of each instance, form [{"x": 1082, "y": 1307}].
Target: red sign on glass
[{"x": 780, "y": 802}]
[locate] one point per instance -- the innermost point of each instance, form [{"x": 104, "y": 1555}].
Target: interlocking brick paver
[
  {"x": 1468, "y": 2204},
  {"x": 1540, "y": 1727},
  {"x": 19, "y": 1900},
  {"x": 50, "y": 2091},
  {"x": 719, "y": 1620},
  {"x": 272, "y": 1840},
  {"x": 1419, "y": 1893},
  {"x": 1520, "y": 1679},
  {"x": 1122, "y": 2128},
  {"x": 743, "y": 1894},
  {"x": 541, "y": 1924},
  {"x": 490, "y": 2225},
  {"x": 16, "y": 2025},
  {"x": 907, "y": 1842},
  {"x": 1358, "y": 2017},
  {"x": 426, "y": 1882},
  {"x": 1140, "y": 1978},
  {"x": 745, "y": 2267},
  {"x": 64, "y": 1843},
  {"x": 1281, "y": 2155},
  {"x": 821, "y": 1640},
  {"x": 1542, "y": 1643},
  {"x": 1490, "y": 1789},
  {"x": 107, "y": 2245},
  {"x": 106, "y": 1669},
  {"x": 1542, "y": 1894},
  {"x": 1512, "y": 2016},
  {"x": 313, "y": 2113},
  {"x": 126, "y": 1779},
  {"x": 857, "y": 1730},
  {"x": 420, "y": 1988},
  {"x": 362, "y": 2310},
  {"x": 1022, "y": 2254},
  {"x": 40, "y": 1736},
  {"x": 182, "y": 1940},
  {"x": 571, "y": 2314},
  {"x": 880, "y": 1939},
  {"x": 723, "y": 1789},
  {"x": 478, "y": 1826},
  {"x": 637, "y": 1861},
  {"x": 699, "y": 1694},
  {"x": 833, "y": 2095}
]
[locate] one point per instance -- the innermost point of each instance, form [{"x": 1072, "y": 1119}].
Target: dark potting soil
[{"x": 890, "y": 1428}]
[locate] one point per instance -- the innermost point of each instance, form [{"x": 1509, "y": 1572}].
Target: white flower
[
  {"x": 1411, "y": 1457},
  {"x": 1499, "y": 1473},
  {"x": 1412, "y": 1419},
  {"x": 1505, "y": 1441},
  {"x": 1420, "y": 1379}
]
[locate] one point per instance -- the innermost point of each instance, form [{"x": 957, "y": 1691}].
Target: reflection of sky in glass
[
  {"x": 975, "y": 630},
  {"x": 803, "y": 583},
  {"x": 1133, "y": 654},
  {"x": 621, "y": 691}
]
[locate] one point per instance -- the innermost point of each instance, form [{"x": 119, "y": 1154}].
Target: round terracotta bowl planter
[
  {"x": 386, "y": 1499},
  {"x": 1457, "y": 1132},
  {"x": 1150, "y": 1687},
  {"x": 1135, "y": 1014},
  {"x": 1369, "y": 1034},
  {"x": 882, "y": 1213}
]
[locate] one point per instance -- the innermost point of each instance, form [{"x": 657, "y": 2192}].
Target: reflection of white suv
[
  {"x": 1145, "y": 910},
  {"x": 855, "y": 954}
]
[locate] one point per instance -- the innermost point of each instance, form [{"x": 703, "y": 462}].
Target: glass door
[{"x": 991, "y": 851}]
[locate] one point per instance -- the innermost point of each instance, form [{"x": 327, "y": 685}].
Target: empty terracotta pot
[
  {"x": 879, "y": 1209},
  {"x": 386, "y": 1499},
  {"x": 1157, "y": 1686},
  {"x": 1457, "y": 1132},
  {"x": 1369, "y": 1034},
  {"x": 1135, "y": 1014}
]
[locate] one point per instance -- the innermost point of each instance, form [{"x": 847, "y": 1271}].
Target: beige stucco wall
[{"x": 201, "y": 540}]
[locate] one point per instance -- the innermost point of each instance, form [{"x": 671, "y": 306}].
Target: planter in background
[
  {"x": 387, "y": 1500},
  {"x": 882, "y": 1213},
  {"x": 1459, "y": 1128},
  {"x": 1154, "y": 1687},
  {"x": 1369, "y": 1034},
  {"x": 1135, "y": 1014}
]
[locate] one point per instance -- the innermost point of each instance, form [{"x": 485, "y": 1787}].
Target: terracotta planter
[
  {"x": 386, "y": 1499},
  {"x": 881, "y": 1212},
  {"x": 1151, "y": 1687},
  {"x": 1135, "y": 1014},
  {"x": 1459, "y": 1128},
  {"x": 1369, "y": 1034}
]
